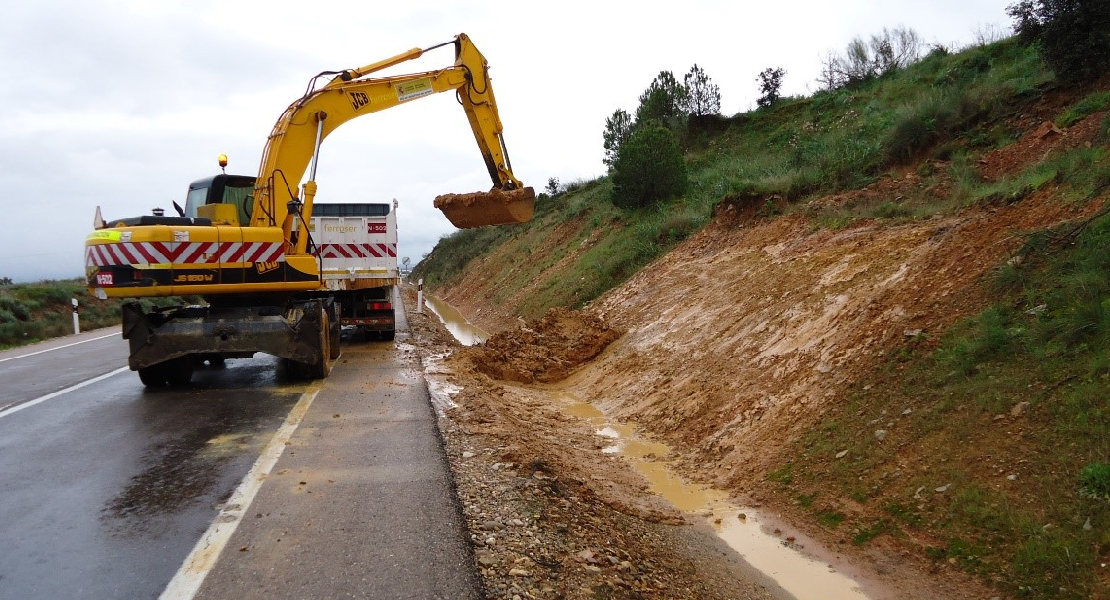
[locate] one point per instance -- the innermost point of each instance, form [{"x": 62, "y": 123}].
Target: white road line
[
  {"x": 15, "y": 409},
  {"x": 59, "y": 347},
  {"x": 186, "y": 583}
]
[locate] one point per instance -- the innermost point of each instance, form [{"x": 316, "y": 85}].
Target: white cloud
[{"x": 121, "y": 103}]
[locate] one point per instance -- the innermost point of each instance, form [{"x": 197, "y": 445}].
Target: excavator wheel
[
  {"x": 178, "y": 371},
  {"x": 322, "y": 368},
  {"x": 495, "y": 207}
]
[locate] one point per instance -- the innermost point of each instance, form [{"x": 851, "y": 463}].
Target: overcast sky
[{"x": 121, "y": 103}]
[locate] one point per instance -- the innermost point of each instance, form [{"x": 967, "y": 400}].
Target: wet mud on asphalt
[{"x": 104, "y": 490}]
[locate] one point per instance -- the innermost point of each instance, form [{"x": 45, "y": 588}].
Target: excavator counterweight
[{"x": 495, "y": 207}]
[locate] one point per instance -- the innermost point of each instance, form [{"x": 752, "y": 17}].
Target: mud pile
[{"x": 545, "y": 351}]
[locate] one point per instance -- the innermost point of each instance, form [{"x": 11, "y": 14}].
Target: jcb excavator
[{"x": 244, "y": 245}]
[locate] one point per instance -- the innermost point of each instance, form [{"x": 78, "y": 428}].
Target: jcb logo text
[
  {"x": 265, "y": 267},
  {"x": 359, "y": 99}
]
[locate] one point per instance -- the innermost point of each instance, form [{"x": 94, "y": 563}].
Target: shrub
[
  {"x": 648, "y": 169},
  {"x": 1073, "y": 35}
]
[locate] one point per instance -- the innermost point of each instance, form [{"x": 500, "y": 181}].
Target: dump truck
[
  {"x": 244, "y": 244},
  {"x": 358, "y": 262}
]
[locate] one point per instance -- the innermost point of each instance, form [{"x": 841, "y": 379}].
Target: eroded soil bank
[{"x": 743, "y": 339}]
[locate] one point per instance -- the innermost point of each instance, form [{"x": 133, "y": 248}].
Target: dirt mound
[{"x": 545, "y": 351}]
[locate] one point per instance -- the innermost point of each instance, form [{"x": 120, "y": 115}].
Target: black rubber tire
[
  {"x": 179, "y": 371},
  {"x": 389, "y": 336},
  {"x": 322, "y": 368},
  {"x": 153, "y": 377}
]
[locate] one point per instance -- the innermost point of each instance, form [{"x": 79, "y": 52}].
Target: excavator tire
[{"x": 495, "y": 207}]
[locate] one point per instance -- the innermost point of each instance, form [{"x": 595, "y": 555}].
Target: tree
[
  {"x": 617, "y": 128},
  {"x": 862, "y": 61},
  {"x": 1073, "y": 35},
  {"x": 703, "y": 97},
  {"x": 552, "y": 186},
  {"x": 649, "y": 168},
  {"x": 663, "y": 102},
  {"x": 770, "y": 85}
]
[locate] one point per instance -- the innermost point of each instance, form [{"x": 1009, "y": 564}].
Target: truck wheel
[
  {"x": 152, "y": 377},
  {"x": 389, "y": 335},
  {"x": 179, "y": 371}
]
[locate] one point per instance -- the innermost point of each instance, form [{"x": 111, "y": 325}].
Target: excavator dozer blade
[{"x": 495, "y": 207}]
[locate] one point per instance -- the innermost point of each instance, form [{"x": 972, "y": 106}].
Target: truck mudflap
[{"x": 293, "y": 333}]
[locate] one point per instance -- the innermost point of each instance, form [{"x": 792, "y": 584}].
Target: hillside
[{"x": 879, "y": 311}]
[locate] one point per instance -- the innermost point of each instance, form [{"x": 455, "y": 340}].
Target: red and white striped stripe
[
  {"x": 358, "y": 250},
  {"x": 182, "y": 253}
]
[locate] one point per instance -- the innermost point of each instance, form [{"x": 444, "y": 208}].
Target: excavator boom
[{"x": 294, "y": 144}]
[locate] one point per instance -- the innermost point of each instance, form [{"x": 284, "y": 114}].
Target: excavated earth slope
[{"x": 744, "y": 336}]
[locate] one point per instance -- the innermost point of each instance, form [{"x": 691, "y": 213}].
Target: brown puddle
[
  {"x": 466, "y": 333},
  {"x": 799, "y": 575}
]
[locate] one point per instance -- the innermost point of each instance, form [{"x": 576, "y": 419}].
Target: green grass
[
  {"x": 1045, "y": 342},
  {"x": 1096, "y": 102},
  {"x": 947, "y": 104},
  {"x": 32, "y": 312}
]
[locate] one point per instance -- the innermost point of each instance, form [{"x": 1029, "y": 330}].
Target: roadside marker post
[
  {"x": 420, "y": 296},
  {"x": 76, "y": 320}
]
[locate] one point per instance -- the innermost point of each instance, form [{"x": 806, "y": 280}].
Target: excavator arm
[{"x": 294, "y": 144}]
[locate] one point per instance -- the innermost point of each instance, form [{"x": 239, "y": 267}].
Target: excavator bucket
[{"x": 495, "y": 207}]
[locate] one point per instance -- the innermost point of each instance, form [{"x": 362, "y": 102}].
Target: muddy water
[
  {"x": 467, "y": 333},
  {"x": 740, "y": 527}
]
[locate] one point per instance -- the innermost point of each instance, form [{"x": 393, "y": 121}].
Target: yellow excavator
[{"x": 244, "y": 243}]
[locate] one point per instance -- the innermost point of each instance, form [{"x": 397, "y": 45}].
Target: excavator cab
[{"x": 233, "y": 190}]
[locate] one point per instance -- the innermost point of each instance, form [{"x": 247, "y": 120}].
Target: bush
[
  {"x": 649, "y": 169},
  {"x": 1073, "y": 35}
]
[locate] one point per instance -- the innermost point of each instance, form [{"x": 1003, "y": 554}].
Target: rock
[
  {"x": 880, "y": 434},
  {"x": 1087, "y": 525},
  {"x": 943, "y": 488},
  {"x": 468, "y": 455},
  {"x": 1019, "y": 409},
  {"x": 1036, "y": 310},
  {"x": 519, "y": 573},
  {"x": 492, "y": 526},
  {"x": 487, "y": 561},
  {"x": 907, "y": 412},
  {"x": 1012, "y": 477},
  {"x": 842, "y": 454}
]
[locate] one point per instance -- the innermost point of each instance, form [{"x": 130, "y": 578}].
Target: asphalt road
[{"x": 108, "y": 490}]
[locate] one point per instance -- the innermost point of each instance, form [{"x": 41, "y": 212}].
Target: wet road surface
[{"x": 106, "y": 488}]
